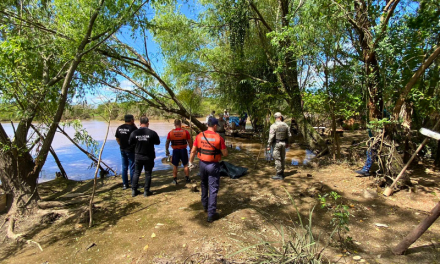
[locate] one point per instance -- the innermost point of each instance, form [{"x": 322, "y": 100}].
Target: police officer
[
  {"x": 221, "y": 128},
  {"x": 210, "y": 147},
  {"x": 122, "y": 135},
  {"x": 143, "y": 140},
  {"x": 279, "y": 135},
  {"x": 180, "y": 139}
]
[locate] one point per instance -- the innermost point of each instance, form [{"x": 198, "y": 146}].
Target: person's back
[
  {"x": 122, "y": 135},
  {"x": 280, "y": 132},
  {"x": 210, "y": 147},
  {"x": 279, "y": 135},
  {"x": 179, "y": 139},
  {"x": 144, "y": 140}
]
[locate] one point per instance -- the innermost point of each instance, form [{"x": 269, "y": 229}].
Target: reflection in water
[{"x": 77, "y": 165}]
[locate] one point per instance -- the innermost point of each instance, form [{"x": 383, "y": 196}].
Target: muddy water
[{"x": 77, "y": 165}]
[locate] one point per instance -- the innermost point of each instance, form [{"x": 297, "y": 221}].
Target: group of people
[
  {"x": 224, "y": 121},
  {"x": 138, "y": 153}
]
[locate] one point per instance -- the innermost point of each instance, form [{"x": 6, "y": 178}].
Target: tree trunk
[
  {"x": 375, "y": 102},
  {"x": 362, "y": 25},
  {"x": 19, "y": 182},
  {"x": 418, "y": 231}
]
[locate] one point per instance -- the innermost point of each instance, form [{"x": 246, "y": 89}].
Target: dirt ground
[{"x": 171, "y": 227}]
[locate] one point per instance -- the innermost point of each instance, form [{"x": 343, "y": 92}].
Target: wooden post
[
  {"x": 389, "y": 190},
  {"x": 418, "y": 231}
]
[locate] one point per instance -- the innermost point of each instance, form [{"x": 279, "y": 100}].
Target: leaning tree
[{"x": 46, "y": 48}]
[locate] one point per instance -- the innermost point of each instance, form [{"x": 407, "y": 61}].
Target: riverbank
[{"x": 171, "y": 227}]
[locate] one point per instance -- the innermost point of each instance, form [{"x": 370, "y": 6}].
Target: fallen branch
[
  {"x": 90, "y": 155},
  {"x": 418, "y": 231},
  {"x": 54, "y": 155}
]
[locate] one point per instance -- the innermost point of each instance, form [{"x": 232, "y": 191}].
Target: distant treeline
[{"x": 118, "y": 110}]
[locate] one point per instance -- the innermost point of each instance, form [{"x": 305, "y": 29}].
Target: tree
[{"x": 46, "y": 48}]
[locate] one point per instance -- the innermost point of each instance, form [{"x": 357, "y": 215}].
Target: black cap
[{"x": 128, "y": 118}]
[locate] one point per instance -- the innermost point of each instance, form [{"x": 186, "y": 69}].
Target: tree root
[
  {"x": 19, "y": 237},
  {"x": 52, "y": 204}
]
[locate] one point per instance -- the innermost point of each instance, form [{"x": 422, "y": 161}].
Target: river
[{"x": 77, "y": 164}]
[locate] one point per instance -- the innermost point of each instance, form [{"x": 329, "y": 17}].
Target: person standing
[
  {"x": 143, "y": 141},
  {"x": 122, "y": 135},
  {"x": 371, "y": 157},
  {"x": 221, "y": 127},
  {"x": 226, "y": 117},
  {"x": 210, "y": 147},
  {"x": 212, "y": 114},
  {"x": 243, "y": 120},
  {"x": 279, "y": 135},
  {"x": 179, "y": 139}
]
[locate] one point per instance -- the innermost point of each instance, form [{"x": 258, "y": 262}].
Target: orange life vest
[
  {"x": 209, "y": 149},
  {"x": 178, "y": 139}
]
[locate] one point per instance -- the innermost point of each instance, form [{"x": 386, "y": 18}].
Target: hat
[
  {"x": 212, "y": 121},
  {"x": 277, "y": 114},
  {"x": 226, "y": 110}
]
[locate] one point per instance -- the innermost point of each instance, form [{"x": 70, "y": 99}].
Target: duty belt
[{"x": 280, "y": 140}]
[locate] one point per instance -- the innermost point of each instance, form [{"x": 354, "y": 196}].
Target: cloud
[{"x": 126, "y": 84}]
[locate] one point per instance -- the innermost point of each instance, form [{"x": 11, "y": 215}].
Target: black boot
[
  {"x": 147, "y": 193},
  {"x": 134, "y": 192},
  {"x": 212, "y": 218}
]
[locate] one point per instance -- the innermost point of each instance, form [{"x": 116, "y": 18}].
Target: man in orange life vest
[
  {"x": 210, "y": 147},
  {"x": 179, "y": 139}
]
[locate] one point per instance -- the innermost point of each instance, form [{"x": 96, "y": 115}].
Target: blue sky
[{"x": 190, "y": 8}]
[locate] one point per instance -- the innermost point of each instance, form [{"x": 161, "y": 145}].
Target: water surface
[{"x": 78, "y": 166}]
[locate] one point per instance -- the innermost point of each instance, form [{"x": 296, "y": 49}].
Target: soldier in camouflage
[{"x": 279, "y": 135}]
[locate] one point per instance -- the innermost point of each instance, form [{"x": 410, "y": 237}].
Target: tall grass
[{"x": 296, "y": 244}]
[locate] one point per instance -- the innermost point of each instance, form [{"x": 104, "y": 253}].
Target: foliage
[
  {"x": 340, "y": 214},
  {"x": 81, "y": 136}
]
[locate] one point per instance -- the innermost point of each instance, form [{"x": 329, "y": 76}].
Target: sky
[{"x": 190, "y": 8}]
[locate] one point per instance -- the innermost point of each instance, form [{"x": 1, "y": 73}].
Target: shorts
[{"x": 180, "y": 155}]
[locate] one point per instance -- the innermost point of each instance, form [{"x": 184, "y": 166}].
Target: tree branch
[
  {"x": 260, "y": 16},
  {"x": 90, "y": 155},
  {"x": 404, "y": 93}
]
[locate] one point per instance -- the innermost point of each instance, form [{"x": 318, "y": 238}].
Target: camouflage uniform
[{"x": 279, "y": 135}]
